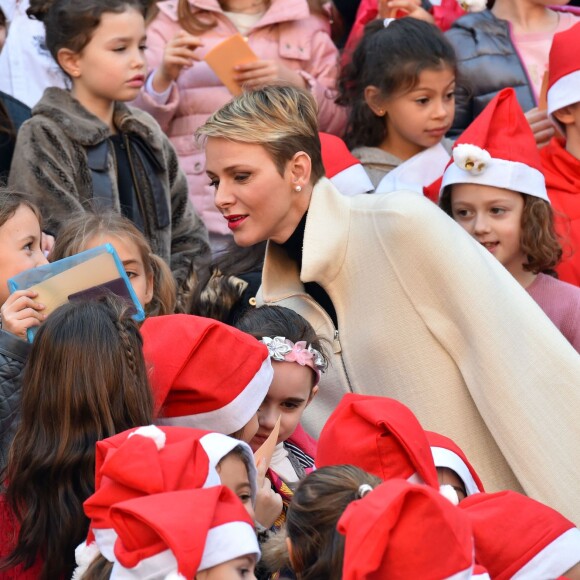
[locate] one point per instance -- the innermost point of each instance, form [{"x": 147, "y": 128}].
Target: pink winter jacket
[{"x": 287, "y": 32}]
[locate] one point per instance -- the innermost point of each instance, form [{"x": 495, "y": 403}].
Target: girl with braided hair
[{"x": 85, "y": 380}]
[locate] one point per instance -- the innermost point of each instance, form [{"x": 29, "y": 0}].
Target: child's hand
[
  {"x": 268, "y": 502},
  {"x": 253, "y": 75},
  {"x": 179, "y": 53},
  {"x": 20, "y": 312},
  {"x": 540, "y": 125},
  {"x": 389, "y": 8}
]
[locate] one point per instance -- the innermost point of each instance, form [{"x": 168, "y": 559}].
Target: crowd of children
[{"x": 213, "y": 439}]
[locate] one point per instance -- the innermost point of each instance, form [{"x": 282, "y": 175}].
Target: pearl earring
[{"x": 298, "y": 188}]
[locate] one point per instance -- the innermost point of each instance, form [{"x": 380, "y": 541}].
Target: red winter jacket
[{"x": 562, "y": 172}]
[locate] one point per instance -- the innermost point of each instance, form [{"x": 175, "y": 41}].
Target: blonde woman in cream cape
[{"x": 425, "y": 314}]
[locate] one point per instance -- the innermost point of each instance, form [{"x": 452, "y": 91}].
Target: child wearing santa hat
[
  {"x": 518, "y": 537},
  {"x": 561, "y": 157},
  {"x": 406, "y": 531},
  {"x": 200, "y": 534},
  {"x": 494, "y": 188},
  {"x": 453, "y": 467},
  {"x": 152, "y": 460},
  {"x": 381, "y": 436}
]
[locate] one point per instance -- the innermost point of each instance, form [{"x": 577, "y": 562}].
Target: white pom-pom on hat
[
  {"x": 152, "y": 432},
  {"x": 449, "y": 493},
  {"x": 471, "y": 158},
  {"x": 84, "y": 556},
  {"x": 174, "y": 576},
  {"x": 473, "y": 5}
]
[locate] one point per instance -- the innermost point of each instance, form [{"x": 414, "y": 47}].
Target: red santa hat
[
  {"x": 205, "y": 374},
  {"x": 379, "y": 435},
  {"x": 178, "y": 534},
  {"x": 152, "y": 460},
  {"x": 564, "y": 70},
  {"x": 446, "y": 453},
  {"x": 401, "y": 530},
  {"x": 342, "y": 167},
  {"x": 498, "y": 149},
  {"x": 516, "y": 536}
]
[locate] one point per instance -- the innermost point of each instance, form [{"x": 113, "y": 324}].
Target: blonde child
[
  {"x": 85, "y": 146},
  {"x": 400, "y": 107},
  {"x": 495, "y": 190},
  {"x": 149, "y": 275}
]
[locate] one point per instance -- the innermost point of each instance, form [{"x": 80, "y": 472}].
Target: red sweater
[
  {"x": 8, "y": 537},
  {"x": 562, "y": 172}
]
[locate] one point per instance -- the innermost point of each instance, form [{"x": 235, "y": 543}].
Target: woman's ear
[
  {"x": 69, "y": 62},
  {"x": 300, "y": 167},
  {"x": 374, "y": 100}
]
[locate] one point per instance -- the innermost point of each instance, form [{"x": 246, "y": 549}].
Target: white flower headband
[{"x": 283, "y": 350}]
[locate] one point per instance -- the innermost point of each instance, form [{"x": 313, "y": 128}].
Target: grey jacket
[
  {"x": 51, "y": 162},
  {"x": 13, "y": 356}
]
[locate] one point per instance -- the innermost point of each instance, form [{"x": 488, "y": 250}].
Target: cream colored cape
[{"x": 427, "y": 316}]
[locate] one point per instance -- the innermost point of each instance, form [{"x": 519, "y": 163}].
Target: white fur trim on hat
[
  {"x": 237, "y": 413},
  {"x": 217, "y": 446},
  {"x": 463, "y": 575},
  {"x": 159, "y": 566},
  {"x": 227, "y": 542},
  {"x": 174, "y": 576},
  {"x": 152, "y": 432},
  {"x": 105, "y": 539},
  {"x": 446, "y": 458},
  {"x": 352, "y": 181},
  {"x": 565, "y": 91},
  {"x": 555, "y": 559},
  {"x": 511, "y": 175}
]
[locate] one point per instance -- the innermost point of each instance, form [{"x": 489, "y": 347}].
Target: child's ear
[
  {"x": 565, "y": 115},
  {"x": 312, "y": 395},
  {"x": 374, "y": 100},
  {"x": 69, "y": 62},
  {"x": 149, "y": 290}
]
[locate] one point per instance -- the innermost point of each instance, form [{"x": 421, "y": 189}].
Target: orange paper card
[
  {"x": 225, "y": 56},
  {"x": 543, "y": 99},
  {"x": 266, "y": 450}
]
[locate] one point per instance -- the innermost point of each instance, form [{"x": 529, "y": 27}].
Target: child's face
[
  {"x": 238, "y": 569},
  {"x": 132, "y": 262},
  {"x": 234, "y": 475},
  {"x": 419, "y": 119},
  {"x": 289, "y": 394},
  {"x": 19, "y": 247},
  {"x": 112, "y": 65},
  {"x": 493, "y": 216}
]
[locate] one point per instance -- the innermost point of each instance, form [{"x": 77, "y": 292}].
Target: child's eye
[
  {"x": 119, "y": 49},
  {"x": 497, "y": 210},
  {"x": 462, "y": 213},
  {"x": 422, "y": 101},
  {"x": 142, "y": 47},
  {"x": 287, "y": 405},
  {"x": 450, "y": 96},
  {"x": 131, "y": 274},
  {"x": 245, "y": 497}
]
